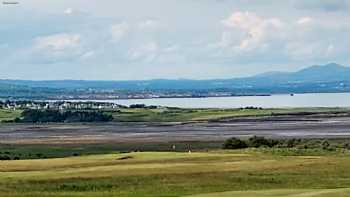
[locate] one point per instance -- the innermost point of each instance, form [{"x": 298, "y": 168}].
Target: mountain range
[{"x": 319, "y": 78}]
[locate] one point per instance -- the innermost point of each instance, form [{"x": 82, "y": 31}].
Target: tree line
[
  {"x": 257, "y": 142},
  {"x": 42, "y": 116}
]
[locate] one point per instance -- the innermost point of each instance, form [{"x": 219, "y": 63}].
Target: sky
[{"x": 172, "y": 39}]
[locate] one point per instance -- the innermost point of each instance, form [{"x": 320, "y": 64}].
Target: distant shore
[{"x": 289, "y": 100}]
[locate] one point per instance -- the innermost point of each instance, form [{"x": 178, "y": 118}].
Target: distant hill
[
  {"x": 318, "y": 78},
  {"x": 325, "y": 73}
]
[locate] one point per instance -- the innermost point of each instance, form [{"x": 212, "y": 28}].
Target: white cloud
[
  {"x": 216, "y": 36},
  {"x": 256, "y": 30},
  {"x": 58, "y": 42},
  {"x": 118, "y": 31},
  {"x": 68, "y": 11},
  {"x": 242, "y": 20},
  {"x": 55, "y": 48},
  {"x": 304, "y": 20},
  {"x": 247, "y": 37}
]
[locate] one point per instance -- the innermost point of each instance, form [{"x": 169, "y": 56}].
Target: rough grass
[
  {"x": 343, "y": 192},
  {"x": 236, "y": 173},
  {"x": 40, "y": 151},
  {"x": 8, "y": 115},
  {"x": 182, "y": 115}
]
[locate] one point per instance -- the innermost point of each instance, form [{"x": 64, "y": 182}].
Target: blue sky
[{"x": 197, "y": 39}]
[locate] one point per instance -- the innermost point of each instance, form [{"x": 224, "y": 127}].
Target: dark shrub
[
  {"x": 325, "y": 145},
  {"x": 40, "y": 116},
  {"x": 152, "y": 107},
  {"x": 39, "y": 155},
  {"x": 5, "y": 157},
  {"x": 291, "y": 143},
  {"x": 261, "y": 141},
  {"x": 235, "y": 143},
  {"x": 137, "y": 106},
  {"x": 347, "y": 145}
]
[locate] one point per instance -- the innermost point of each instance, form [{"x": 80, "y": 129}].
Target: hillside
[{"x": 319, "y": 78}]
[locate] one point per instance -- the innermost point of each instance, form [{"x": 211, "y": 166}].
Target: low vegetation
[
  {"x": 283, "y": 147},
  {"x": 235, "y": 143},
  {"x": 142, "y": 113},
  {"x": 9, "y": 115},
  {"x": 261, "y": 142},
  {"x": 44, "y": 151},
  {"x": 244, "y": 172},
  {"x": 42, "y": 116},
  {"x": 257, "y": 167},
  {"x": 183, "y": 115}
]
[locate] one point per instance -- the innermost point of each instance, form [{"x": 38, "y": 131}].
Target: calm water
[{"x": 274, "y": 101}]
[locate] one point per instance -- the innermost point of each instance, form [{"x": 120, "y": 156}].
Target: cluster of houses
[{"x": 58, "y": 105}]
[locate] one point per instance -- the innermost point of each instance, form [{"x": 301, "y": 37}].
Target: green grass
[
  {"x": 8, "y": 115},
  {"x": 343, "y": 192},
  {"x": 40, "y": 151},
  {"x": 247, "y": 172},
  {"x": 183, "y": 115}
]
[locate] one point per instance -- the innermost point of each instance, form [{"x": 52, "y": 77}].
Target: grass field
[
  {"x": 342, "y": 192},
  {"x": 6, "y": 115},
  {"x": 102, "y": 170},
  {"x": 183, "y": 115},
  {"x": 44, "y": 151},
  {"x": 248, "y": 172}
]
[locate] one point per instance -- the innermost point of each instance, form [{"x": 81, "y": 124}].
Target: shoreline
[{"x": 303, "y": 127}]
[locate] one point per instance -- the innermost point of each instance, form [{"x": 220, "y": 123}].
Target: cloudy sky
[{"x": 197, "y": 39}]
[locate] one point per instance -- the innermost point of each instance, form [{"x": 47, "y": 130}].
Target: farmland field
[{"x": 249, "y": 172}]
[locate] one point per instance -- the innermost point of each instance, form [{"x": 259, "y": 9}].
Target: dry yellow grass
[{"x": 245, "y": 173}]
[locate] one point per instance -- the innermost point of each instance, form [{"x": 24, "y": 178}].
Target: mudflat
[{"x": 202, "y": 131}]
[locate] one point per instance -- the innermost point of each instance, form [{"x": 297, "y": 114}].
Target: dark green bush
[
  {"x": 5, "y": 157},
  {"x": 39, "y": 116},
  {"x": 235, "y": 143},
  {"x": 325, "y": 145},
  {"x": 257, "y": 142}
]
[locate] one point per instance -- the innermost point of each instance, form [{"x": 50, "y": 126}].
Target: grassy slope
[
  {"x": 181, "y": 115},
  {"x": 238, "y": 173},
  {"x": 6, "y": 115}
]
